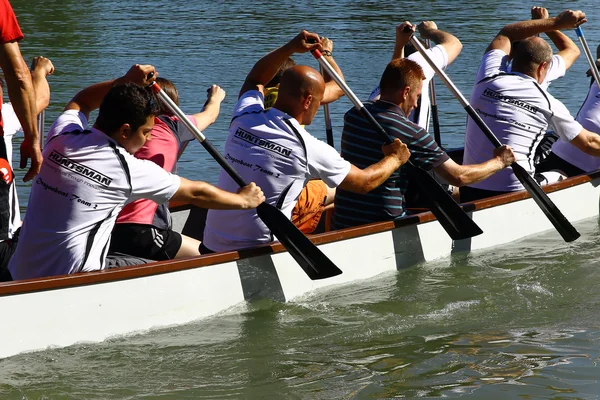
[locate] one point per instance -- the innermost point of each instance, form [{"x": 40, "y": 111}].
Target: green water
[{"x": 518, "y": 321}]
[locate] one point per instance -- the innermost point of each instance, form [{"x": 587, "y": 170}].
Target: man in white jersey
[
  {"x": 273, "y": 149},
  {"x": 447, "y": 48},
  {"x": 514, "y": 105},
  {"x": 568, "y": 159},
  {"x": 87, "y": 176}
]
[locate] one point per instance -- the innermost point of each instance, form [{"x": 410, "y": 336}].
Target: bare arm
[
  {"x": 202, "y": 194},
  {"x": 41, "y": 67},
  {"x": 212, "y": 107},
  {"x": 364, "y": 180},
  {"x": 90, "y": 98},
  {"x": 524, "y": 29},
  {"x": 402, "y": 38},
  {"x": 332, "y": 90},
  {"x": 567, "y": 49},
  {"x": 588, "y": 142},
  {"x": 453, "y": 46},
  {"x": 462, "y": 175},
  {"x": 22, "y": 97},
  {"x": 265, "y": 69}
]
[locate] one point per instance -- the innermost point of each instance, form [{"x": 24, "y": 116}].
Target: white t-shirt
[
  {"x": 420, "y": 115},
  {"x": 12, "y": 126},
  {"x": 589, "y": 117},
  {"x": 85, "y": 180},
  {"x": 263, "y": 148},
  {"x": 519, "y": 111},
  {"x": 558, "y": 69}
]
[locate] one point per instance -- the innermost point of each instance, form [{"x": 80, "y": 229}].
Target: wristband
[{"x": 326, "y": 53}]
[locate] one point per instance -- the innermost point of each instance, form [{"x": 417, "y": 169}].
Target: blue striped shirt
[{"x": 361, "y": 145}]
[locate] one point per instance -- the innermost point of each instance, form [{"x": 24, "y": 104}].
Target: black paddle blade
[
  {"x": 449, "y": 214},
  {"x": 312, "y": 260},
  {"x": 560, "y": 222}
]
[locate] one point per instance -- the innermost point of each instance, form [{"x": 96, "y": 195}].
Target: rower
[
  {"x": 273, "y": 148},
  {"x": 568, "y": 159},
  {"x": 316, "y": 196},
  {"x": 514, "y": 105},
  {"x": 89, "y": 175},
  {"x": 447, "y": 48},
  {"x": 143, "y": 228},
  {"x": 401, "y": 85}
]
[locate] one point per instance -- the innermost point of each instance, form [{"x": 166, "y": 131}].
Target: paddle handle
[
  {"x": 461, "y": 99},
  {"x": 346, "y": 89},
  {"x": 157, "y": 90},
  {"x": 328, "y": 128},
  {"x": 41, "y": 119},
  {"x": 434, "y": 108},
  {"x": 588, "y": 54}
]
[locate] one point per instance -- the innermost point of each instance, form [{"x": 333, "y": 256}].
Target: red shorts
[{"x": 309, "y": 208}]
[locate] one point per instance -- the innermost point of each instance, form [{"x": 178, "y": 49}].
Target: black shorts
[{"x": 145, "y": 241}]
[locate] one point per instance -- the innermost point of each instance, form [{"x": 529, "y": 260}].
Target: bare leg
[{"x": 189, "y": 247}]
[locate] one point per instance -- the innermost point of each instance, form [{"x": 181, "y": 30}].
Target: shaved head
[
  {"x": 301, "y": 81},
  {"x": 528, "y": 54}
]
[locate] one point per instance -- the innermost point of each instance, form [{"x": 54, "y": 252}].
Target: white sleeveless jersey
[
  {"x": 12, "y": 126},
  {"x": 421, "y": 114},
  {"x": 589, "y": 117},
  {"x": 85, "y": 180},
  {"x": 519, "y": 111},
  {"x": 271, "y": 149}
]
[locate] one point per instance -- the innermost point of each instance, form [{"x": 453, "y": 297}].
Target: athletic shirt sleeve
[
  {"x": 438, "y": 55},
  {"x": 149, "y": 181},
  {"x": 424, "y": 151},
  {"x": 558, "y": 69},
  {"x": 493, "y": 62},
  {"x": 184, "y": 134},
  {"x": 324, "y": 162},
  {"x": 252, "y": 101},
  {"x": 9, "y": 27},
  {"x": 68, "y": 121},
  {"x": 561, "y": 121}
]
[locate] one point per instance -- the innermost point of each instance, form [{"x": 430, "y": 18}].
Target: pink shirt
[{"x": 162, "y": 150}]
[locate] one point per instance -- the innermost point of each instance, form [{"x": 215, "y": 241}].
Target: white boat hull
[{"x": 92, "y": 307}]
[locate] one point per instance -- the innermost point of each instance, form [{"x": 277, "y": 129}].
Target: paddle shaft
[
  {"x": 40, "y": 121},
  {"x": 328, "y": 129},
  {"x": 198, "y": 134},
  {"x": 588, "y": 55},
  {"x": 434, "y": 110},
  {"x": 562, "y": 225}
]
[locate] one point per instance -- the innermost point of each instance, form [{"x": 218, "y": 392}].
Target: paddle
[
  {"x": 562, "y": 225},
  {"x": 40, "y": 123},
  {"x": 449, "y": 214},
  {"x": 328, "y": 129},
  {"x": 588, "y": 55},
  {"x": 434, "y": 111},
  {"x": 307, "y": 255}
]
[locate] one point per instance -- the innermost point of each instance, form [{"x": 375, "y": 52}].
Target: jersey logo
[
  {"x": 510, "y": 100},
  {"x": 79, "y": 169},
  {"x": 264, "y": 143}
]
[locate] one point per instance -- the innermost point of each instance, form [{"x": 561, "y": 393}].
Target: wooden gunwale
[{"x": 162, "y": 267}]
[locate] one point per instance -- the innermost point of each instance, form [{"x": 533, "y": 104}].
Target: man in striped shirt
[{"x": 401, "y": 85}]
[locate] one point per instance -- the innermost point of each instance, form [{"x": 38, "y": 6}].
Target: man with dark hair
[
  {"x": 89, "y": 175},
  {"x": 515, "y": 106},
  {"x": 143, "y": 228},
  {"x": 272, "y": 148},
  {"x": 401, "y": 85}
]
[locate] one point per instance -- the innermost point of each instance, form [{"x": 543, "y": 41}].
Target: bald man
[
  {"x": 272, "y": 148},
  {"x": 516, "y": 107}
]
